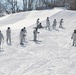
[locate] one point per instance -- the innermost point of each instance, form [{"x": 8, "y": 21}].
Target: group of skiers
[
  {"x": 23, "y": 32},
  {"x": 54, "y": 24},
  {"x": 48, "y": 26},
  {"x": 39, "y": 26}
]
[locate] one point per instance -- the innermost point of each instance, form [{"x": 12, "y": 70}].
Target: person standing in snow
[
  {"x": 37, "y": 22},
  {"x": 25, "y": 33},
  {"x": 54, "y": 24},
  {"x": 35, "y": 32},
  {"x": 22, "y": 34},
  {"x": 74, "y": 38},
  {"x": 8, "y": 35},
  {"x": 47, "y": 23},
  {"x": 1, "y": 39},
  {"x": 61, "y": 21}
]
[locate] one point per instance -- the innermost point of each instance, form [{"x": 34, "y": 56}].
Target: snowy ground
[{"x": 51, "y": 55}]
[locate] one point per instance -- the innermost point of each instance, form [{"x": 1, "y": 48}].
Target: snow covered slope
[
  {"x": 51, "y": 55},
  {"x": 16, "y": 21}
]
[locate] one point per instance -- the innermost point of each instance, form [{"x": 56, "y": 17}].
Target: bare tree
[
  {"x": 13, "y": 5},
  {"x": 24, "y": 5},
  {"x": 3, "y": 9},
  {"x": 30, "y": 4}
]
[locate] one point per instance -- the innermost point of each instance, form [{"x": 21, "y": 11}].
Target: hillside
[{"x": 51, "y": 55}]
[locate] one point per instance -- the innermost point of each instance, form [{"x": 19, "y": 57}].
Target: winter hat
[
  {"x": 21, "y": 29},
  {"x": 62, "y": 19},
  {"x": 24, "y": 28},
  {"x": 74, "y": 31},
  {"x": 38, "y": 19},
  {"x": 8, "y": 27}
]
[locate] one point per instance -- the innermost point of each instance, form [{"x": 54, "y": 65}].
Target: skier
[
  {"x": 1, "y": 39},
  {"x": 37, "y": 22},
  {"x": 39, "y": 26},
  {"x": 74, "y": 38},
  {"x": 25, "y": 33},
  {"x": 54, "y": 24},
  {"x": 35, "y": 32},
  {"x": 61, "y": 21},
  {"x": 22, "y": 37},
  {"x": 47, "y": 23},
  {"x": 8, "y": 35}
]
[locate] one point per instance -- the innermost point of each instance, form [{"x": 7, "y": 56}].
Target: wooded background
[{"x": 13, "y": 6}]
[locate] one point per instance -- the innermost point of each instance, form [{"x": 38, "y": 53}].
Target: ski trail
[{"x": 51, "y": 56}]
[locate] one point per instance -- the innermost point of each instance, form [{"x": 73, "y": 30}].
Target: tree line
[{"x": 13, "y": 6}]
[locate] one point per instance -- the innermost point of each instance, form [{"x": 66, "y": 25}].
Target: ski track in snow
[{"x": 51, "y": 56}]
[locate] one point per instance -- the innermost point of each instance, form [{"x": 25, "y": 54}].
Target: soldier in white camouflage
[{"x": 74, "y": 38}]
